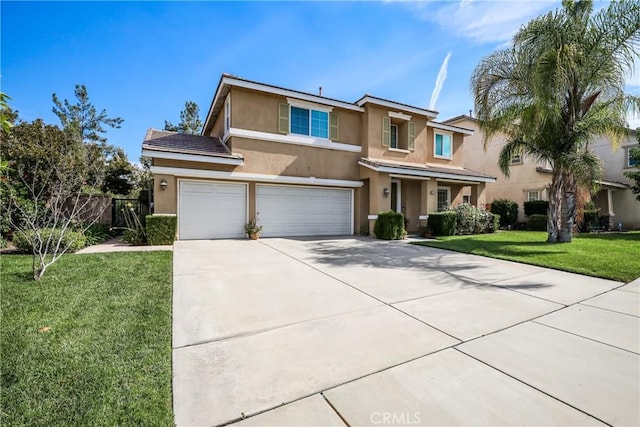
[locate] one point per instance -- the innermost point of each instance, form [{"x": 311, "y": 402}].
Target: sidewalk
[{"x": 117, "y": 245}]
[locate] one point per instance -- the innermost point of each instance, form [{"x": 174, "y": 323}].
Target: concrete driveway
[{"x": 365, "y": 332}]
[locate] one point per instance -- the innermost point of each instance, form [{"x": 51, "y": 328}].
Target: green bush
[
  {"x": 590, "y": 220},
  {"x": 494, "y": 224},
  {"x": 389, "y": 226},
  {"x": 538, "y": 222},
  {"x": 507, "y": 209},
  {"x": 536, "y": 207},
  {"x": 161, "y": 229},
  {"x": 74, "y": 240},
  {"x": 442, "y": 223},
  {"x": 97, "y": 233}
]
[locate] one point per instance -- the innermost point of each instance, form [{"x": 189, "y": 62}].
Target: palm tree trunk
[
  {"x": 555, "y": 207},
  {"x": 569, "y": 208}
]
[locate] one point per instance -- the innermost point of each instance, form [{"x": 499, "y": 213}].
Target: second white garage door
[
  {"x": 304, "y": 211},
  {"x": 211, "y": 210}
]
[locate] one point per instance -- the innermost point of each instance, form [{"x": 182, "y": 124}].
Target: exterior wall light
[
  {"x": 163, "y": 184},
  {"x": 385, "y": 192}
]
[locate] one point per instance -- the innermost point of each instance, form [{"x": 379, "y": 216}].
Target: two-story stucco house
[
  {"x": 307, "y": 165},
  {"x": 529, "y": 180}
]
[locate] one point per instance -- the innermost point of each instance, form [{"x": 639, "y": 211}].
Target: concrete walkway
[
  {"x": 365, "y": 332},
  {"x": 117, "y": 245}
]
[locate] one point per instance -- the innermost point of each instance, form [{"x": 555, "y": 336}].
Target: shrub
[
  {"x": 538, "y": 222},
  {"x": 74, "y": 240},
  {"x": 494, "y": 223},
  {"x": 161, "y": 229},
  {"x": 442, "y": 223},
  {"x": 590, "y": 220},
  {"x": 507, "y": 209},
  {"x": 536, "y": 207},
  {"x": 472, "y": 220},
  {"x": 389, "y": 226},
  {"x": 97, "y": 233}
]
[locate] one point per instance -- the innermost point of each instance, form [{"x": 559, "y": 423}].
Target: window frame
[
  {"x": 391, "y": 145},
  {"x": 435, "y": 137},
  {"x": 448, "y": 204},
  {"x": 311, "y": 108},
  {"x": 627, "y": 158},
  {"x": 537, "y": 199},
  {"x": 518, "y": 161}
]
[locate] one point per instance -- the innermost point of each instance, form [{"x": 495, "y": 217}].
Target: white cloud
[
  {"x": 442, "y": 76},
  {"x": 482, "y": 21}
]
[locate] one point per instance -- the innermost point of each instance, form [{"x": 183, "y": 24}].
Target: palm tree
[{"x": 560, "y": 84}]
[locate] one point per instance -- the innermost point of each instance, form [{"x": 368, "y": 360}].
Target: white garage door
[
  {"x": 208, "y": 210},
  {"x": 303, "y": 211}
]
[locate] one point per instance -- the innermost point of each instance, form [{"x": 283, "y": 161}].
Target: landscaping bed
[
  {"x": 613, "y": 256},
  {"x": 90, "y": 343}
]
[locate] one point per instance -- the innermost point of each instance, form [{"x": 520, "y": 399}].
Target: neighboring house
[
  {"x": 307, "y": 165},
  {"x": 529, "y": 180}
]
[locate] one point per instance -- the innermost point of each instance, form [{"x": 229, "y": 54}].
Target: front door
[
  {"x": 444, "y": 198},
  {"x": 396, "y": 204}
]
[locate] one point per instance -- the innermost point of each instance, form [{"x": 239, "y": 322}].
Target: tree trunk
[
  {"x": 555, "y": 207},
  {"x": 568, "y": 208}
]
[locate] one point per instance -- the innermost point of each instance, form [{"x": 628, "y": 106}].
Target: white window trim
[
  {"x": 448, "y": 189},
  {"x": 533, "y": 191},
  {"x": 400, "y": 150},
  {"x": 310, "y": 107},
  {"x": 399, "y": 116},
  {"x": 295, "y": 139},
  {"x": 434, "y": 145},
  {"x": 227, "y": 116}
]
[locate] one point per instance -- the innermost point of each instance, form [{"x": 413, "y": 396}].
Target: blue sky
[{"x": 142, "y": 60}]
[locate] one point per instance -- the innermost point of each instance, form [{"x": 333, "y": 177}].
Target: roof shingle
[{"x": 159, "y": 140}]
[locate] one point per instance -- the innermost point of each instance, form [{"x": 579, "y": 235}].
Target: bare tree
[{"x": 44, "y": 188}]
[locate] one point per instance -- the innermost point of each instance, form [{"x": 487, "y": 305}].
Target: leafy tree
[
  {"x": 634, "y": 175},
  {"x": 83, "y": 117},
  {"x": 8, "y": 117},
  {"x": 43, "y": 189},
  {"x": 189, "y": 120},
  {"x": 119, "y": 173},
  {"x": 559, "y": 85}
]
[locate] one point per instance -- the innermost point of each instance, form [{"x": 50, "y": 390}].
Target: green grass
[
  {"x": 613, "y": 256},
  {"x": 106, "y": 359}
]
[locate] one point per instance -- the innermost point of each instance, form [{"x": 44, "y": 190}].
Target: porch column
[
  {"x": 478, "y": 194},
  {"x": 612, "y": 223},
  {"x": 377, "y": 201}
]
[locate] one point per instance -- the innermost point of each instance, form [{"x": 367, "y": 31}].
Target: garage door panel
[
  {"x": 211, "y": 210},
  {"x": 303, "y": 211}
]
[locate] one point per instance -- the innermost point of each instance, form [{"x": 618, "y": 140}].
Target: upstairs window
[
  {"x": 394, "y": 137},
  {"x": 307, "y": 121},
  {"x": 443, "y": 145},
  {"x": 631, "y": 162},
  {"x": 516, "y": 160}
]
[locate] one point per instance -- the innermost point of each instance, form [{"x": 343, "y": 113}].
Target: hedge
[
  {"x": 538, "y": 222},
  {"x": 161, "y": 229},
  {"x": 536, "y": 207},
  {"x": 442, "y": 223},
  {"x": 507, "y": 209},
  {"x": 389, "y": 226},
  {"x": 590, "y": 220},
  {"x": 73, "y": 240}
]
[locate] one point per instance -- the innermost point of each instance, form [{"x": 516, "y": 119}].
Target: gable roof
[
  {"x": 174, "y": 142},
  {"x": 229, "y": 80}
]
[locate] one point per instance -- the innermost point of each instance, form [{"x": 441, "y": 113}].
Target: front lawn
[
  {"x": 90, "y": 343},
  {"x": 612, "y": 256}
]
